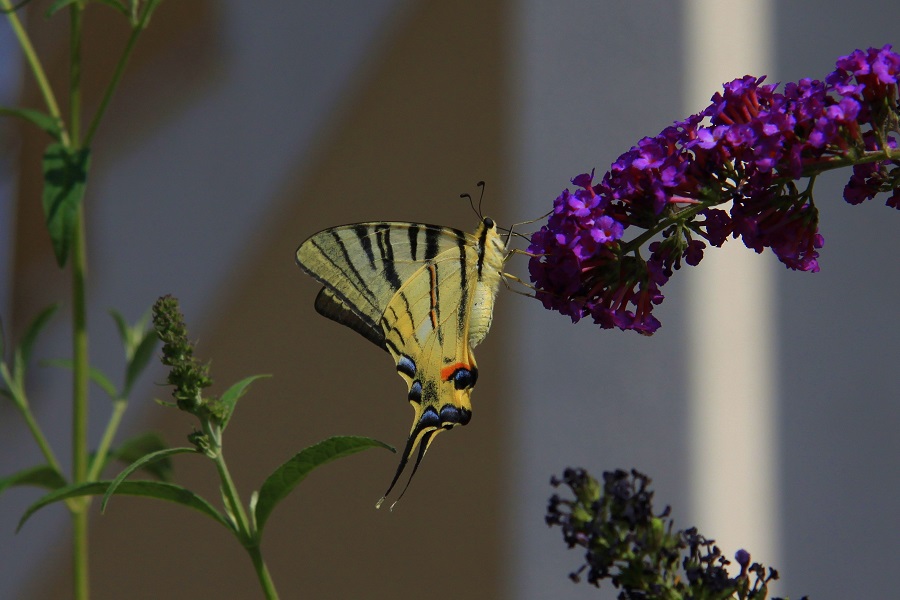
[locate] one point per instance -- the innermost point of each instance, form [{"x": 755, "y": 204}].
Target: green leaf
[
  {"x": 14, "y": 8},
  {"x": 43, "y": 476},
  {"x": 116, "y": 5},
  {"x": 94, "y": 373},
  {"x": 148, "y": 12},
  {"x": 140, "y": 462},
  {"x": 57, "y": 6},
  {"x": 65, "y": 175},
  {"x": 34, "y": 329},
  {"x": 229, "y": 399},
  {"x": 286, "y": 477},
  {"x": 122, "y": 327},
  {"x": 142, "y": 355},
  {"x": 140, "y": 445},
  {"x": 150, "y": 489},
  {"x": 48, "y": 123},
  {"x": 14, "y": 388}
]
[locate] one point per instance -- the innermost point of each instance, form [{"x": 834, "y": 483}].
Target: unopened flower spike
[{"x": 187, "y": 375}]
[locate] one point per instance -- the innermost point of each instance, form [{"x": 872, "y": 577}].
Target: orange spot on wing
[{"x": 447, "y": 372}]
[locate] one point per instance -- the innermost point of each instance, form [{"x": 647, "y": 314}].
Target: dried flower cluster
[{"x": 640, "y": 552}]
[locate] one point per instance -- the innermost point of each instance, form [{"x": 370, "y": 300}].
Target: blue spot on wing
[
  {"x": 415, "y": 392},
  {"x": 406, "y": 366}
]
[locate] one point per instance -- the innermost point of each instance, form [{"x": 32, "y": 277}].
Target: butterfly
[{"x": 425, "y": 294}]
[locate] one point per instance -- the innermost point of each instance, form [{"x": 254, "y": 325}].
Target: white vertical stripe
[{"x": 733, "y": 427}]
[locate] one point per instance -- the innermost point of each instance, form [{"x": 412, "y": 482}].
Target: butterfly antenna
[
  {"x": 468, "y": 196},
  {"x": 471, "y": 203},
  {"x": 481, "y": 197}
]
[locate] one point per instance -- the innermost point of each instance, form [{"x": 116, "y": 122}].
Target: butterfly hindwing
[{"x": 422, "y": 292}]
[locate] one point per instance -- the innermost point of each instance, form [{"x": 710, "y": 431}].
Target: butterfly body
[{"x": 425, "y": 294}]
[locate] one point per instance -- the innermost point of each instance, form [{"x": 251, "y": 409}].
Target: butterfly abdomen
[{"x": 491, "y": 253}]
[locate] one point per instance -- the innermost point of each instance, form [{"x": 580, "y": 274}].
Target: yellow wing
[{"x": 422, "y": 292}]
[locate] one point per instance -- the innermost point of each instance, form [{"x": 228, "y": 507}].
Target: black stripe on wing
[{"x": 383, "y": 237}]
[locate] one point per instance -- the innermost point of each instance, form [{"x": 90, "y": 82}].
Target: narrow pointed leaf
[
  {"x": 94, "y": 373},
  {"x": 150, "y": 489},
  {"x": 286, "y": 477},
  {"x": 14, "y": 8},
  {"x": 57, "y": 6},
  {"x": 48, "y": 123},
  {"x": 148, "y": 11},
  {"x": 116, "y": 5},
  {"x": 9, "y": 379},
  {"x": 140, "y": 445},
  {"x": 139, "y": 360},
  {"x": 233, "y": 394},
  {"x": 34, "y": 329},
  {"x": 43, "y": 476},
  {"x": 142, "y": 323},
  {"x": 121, "y": 327},
  {"x": 65, "y": 176},
  {"x": 141, "y": 462}
]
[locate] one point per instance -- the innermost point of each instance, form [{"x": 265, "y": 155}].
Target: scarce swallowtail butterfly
[{"x": 423, "y": 293}]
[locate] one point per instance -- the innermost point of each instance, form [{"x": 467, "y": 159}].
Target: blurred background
[{"x": 764, "y": 409}]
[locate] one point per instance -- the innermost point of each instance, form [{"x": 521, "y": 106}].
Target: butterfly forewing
[
  {"x": 363, "y": 265},
  {"x": 417, "y": 291}
]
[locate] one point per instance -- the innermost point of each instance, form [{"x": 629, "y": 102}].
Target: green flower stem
[
  {"x": 80, "y": 582},
  {"x": 117, "y": 75},
  {"x": 80, "y": 578},
  {"x": 686, "y": 214},
  {"x": 262, "y": 572},
  {"x": 80, "y": 409},
  {"x": 75, "y": 11},
  {"x": 682, "y": 215},
  {"x": 233, "y": 499},
  {"x": 246, "y": 531},
  {"x": 36, "y": 68},
  {"x": 119, "y": 406}
]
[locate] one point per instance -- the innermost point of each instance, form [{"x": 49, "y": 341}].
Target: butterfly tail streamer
[{"x": 416, "y": 438}]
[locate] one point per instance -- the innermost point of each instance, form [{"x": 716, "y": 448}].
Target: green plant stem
[
  {"x": 233, "y": 499},
  {"x": 117, "y": 75},
  {"x": 36, "y": 68},
  {"x": 80, "y": 581},
  {"x": 80, "y": 578},
  {"x": 246, "y": 531},
  {"x": 262, "y": 572},
  {"x": 80, "y": 409},
  {"x": 112, "y": 427},
  {"x": 75, "y": 72}
]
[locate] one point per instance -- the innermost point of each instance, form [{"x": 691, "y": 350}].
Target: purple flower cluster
[{"x": 748, "y": 148}]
